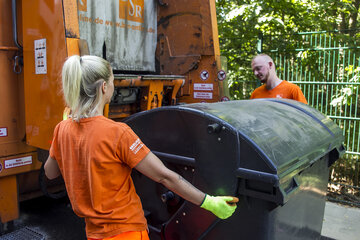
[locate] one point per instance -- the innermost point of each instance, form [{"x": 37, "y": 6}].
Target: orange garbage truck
[{"x": 163, "y": 52}]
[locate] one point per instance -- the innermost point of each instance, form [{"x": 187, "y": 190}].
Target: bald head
[
  {"x": 264, "y": 68},
  {"x": 263, "y": 57}
]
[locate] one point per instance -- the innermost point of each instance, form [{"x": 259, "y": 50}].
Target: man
[{"x": 273, "y": 87}]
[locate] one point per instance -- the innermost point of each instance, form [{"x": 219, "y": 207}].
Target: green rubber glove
[{"x": 222, "y": 206}]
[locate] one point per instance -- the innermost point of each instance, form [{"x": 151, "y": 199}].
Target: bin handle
[
  {"x": 294, "y": 185},
  {"x": 173, "y": 158},
  {"x": 257, "y": 175}
]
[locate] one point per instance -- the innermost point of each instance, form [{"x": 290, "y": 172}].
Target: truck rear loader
[{"x": 162, "y": 53}]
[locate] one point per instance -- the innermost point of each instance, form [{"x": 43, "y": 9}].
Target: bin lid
[{"x": 285, "y": 131}]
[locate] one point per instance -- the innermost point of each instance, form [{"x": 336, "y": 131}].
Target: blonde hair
[{"x": 82, "y": 78}]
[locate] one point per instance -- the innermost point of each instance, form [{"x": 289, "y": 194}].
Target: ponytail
[
  {"x": 82, "y": 78},
  {"x": 71, "y": 81}
]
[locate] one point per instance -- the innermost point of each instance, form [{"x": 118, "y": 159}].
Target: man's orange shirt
[
  {"x": 95, "y": 157},
  {"x": 283, "y": 90}
]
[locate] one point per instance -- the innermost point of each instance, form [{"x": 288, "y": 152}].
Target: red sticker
[
  {"x": 221, "y": 75},
  {"x": 224, "y": 99},
  {"x": 3, "y": 132},
  {"x": 204, "y": 75}
]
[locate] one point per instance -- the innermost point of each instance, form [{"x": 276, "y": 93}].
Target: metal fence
[
  {"x": 328, "y": 72},
  {"x": 326, "y": 66}
]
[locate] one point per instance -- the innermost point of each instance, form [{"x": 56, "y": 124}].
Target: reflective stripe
[{"x": 140, "y": 235}]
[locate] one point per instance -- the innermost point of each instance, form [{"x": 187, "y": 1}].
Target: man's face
[{"x": 261, "y": 69}]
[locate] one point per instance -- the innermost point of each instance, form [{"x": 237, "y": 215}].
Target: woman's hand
[{"x": 222, "y": 206}]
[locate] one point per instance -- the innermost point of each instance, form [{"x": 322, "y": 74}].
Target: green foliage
[
  {"x": 242, "y": 22},
  {"x": 347, "y": 95}
]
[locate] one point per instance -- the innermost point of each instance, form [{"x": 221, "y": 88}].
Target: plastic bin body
[{"x": 273, "y": 154}]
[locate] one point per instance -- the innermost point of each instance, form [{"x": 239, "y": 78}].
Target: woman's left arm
[{"x": 52, "y": 169}]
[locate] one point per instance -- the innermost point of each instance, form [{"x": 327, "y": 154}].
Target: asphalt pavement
[
  {"x": 341, "y": 222},
  {"x": 49, "y": 219}
]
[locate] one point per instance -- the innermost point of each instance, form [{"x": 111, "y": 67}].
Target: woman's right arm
[{"x": 152, "y": 167}]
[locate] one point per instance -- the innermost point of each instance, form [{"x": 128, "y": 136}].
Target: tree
[{"x": 242, "y": 22}]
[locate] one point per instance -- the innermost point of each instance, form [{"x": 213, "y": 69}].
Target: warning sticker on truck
[
  {"x": 203, "y": 95},
  {"x": 3, "y": 132},
  {"x": 203, "y": 87},
  {"x": 18, "y": 162},
  {"x": 204, "y": 75},
  {"x": 40, "y": 56}
]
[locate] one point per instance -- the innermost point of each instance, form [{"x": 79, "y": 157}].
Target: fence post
[{"x": 259, "y": 44}]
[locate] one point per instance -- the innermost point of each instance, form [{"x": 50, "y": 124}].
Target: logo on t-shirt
[
  {"x": 279, "y": 96},
  {"x": 136, "y": 146}
]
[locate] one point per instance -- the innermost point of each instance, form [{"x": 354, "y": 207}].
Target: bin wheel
[{"x": 44, "y": 187}]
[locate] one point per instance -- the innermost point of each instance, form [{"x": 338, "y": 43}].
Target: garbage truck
[{"x": 162, "y": 53}]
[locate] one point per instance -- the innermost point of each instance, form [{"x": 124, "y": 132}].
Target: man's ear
[{"x": 271, "y": 64}]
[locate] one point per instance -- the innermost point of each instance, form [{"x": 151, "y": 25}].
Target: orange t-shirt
[
  {"x": 95, "y": 157},
  {"x": 283, "y": 90}
]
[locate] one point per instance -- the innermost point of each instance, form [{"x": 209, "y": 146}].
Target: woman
[{"x": 95, "y": 156}]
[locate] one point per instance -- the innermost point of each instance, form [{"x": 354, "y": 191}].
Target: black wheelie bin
[{"x": 273, "y": 154}]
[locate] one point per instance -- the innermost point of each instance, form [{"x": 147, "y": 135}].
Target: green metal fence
[
  {"x": 328, "y": 72},
  {"x": 326, "y": 66}
]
